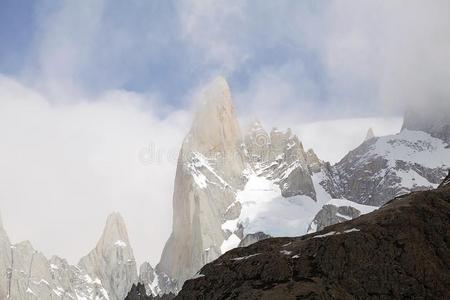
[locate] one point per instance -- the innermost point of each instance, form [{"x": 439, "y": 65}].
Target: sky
[{"x": 89, "y": 88}]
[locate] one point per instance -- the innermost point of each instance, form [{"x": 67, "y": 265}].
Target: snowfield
[
  {"x": 264, "y": 209},
  {"x": 415, "y": 147}
]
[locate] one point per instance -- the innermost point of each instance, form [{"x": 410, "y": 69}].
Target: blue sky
[
  {"x": 169, "y": 48},
  {"x": 332, "y": 54},
  {"x": 335, "y": 59},
  {"x": 17, "y": 22}
]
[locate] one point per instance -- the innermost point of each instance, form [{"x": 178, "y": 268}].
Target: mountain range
[{"x": 233, "y": 188}]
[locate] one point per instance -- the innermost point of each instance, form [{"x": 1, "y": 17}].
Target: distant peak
[
  {"x": 220, "y": 82},
  {"x": 256, "y": 123},
  {"x": 145, "y": 267},
  {"x": 215, "y": 125},
  {"x": 255, "y": 126},
  {"x": 369, "y": 135},
  {"x": 115, "y": 231},
  {"x": 114, "y": 217},
  {"x": 25, "y": 245},
  {"x": 2, "y": 229}
]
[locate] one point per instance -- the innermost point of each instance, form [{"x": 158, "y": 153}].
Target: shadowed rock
[{"x": 138, "y": 292}]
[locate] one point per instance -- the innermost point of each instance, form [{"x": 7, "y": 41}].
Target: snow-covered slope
[
  {"x": 385, "y": 167},
  {"x": 264, "y": 209}
]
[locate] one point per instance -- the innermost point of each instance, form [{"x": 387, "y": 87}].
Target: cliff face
[
  {"x": 210, "y": 167},
  {"x": 400, "y": 251},
  {"x": 280, "y": 156}
]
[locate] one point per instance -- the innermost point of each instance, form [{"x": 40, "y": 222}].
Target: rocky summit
[
  {"x": 112, "y": 261},
  {"x": 400, "y": 251},
  {"x": 210, "y": 170}
]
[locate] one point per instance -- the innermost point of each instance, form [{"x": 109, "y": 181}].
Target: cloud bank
[{"x": 64, "y": 168}]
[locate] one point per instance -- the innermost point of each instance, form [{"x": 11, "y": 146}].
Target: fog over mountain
[{"x": 97, "y": 96}]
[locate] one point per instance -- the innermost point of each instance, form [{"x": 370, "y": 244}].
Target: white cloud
[
  {"x": 277, "y": 99},
  {"x": 396, "y": 51},
  {"x": 367, "y": 57},
  {"x": 209, "y": 27},
  {"x": 65, "y": 167}
]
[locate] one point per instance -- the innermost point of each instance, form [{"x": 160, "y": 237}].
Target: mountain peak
[
  {"x": 112, "y": 261},
  {"x": 216, "y": 92},
  {"x": 2, "y": 229},
  {"x": 115, "y": 231},
  {"x": 1, "y": 222},
  {"x": 369, "y": 135},
  {"x": 215, "y": 127},
  {"x": 254, "y": 127}
]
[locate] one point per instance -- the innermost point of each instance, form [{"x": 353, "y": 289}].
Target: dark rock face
[
  {"x": 138, "y": 292},
  {"x": 331, "y": 214},
  {"x": 401, "y": 251},
  {"x": 252, "y": 238}
]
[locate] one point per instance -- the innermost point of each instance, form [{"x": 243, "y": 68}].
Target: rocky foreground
[{"x": 401, "y": 251}]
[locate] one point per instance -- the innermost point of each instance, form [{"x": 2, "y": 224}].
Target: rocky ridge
[
  {"x": 106, "y": 273},
  {"x": 28, "y": 274},
  {"x": 385, "y": 167}
]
